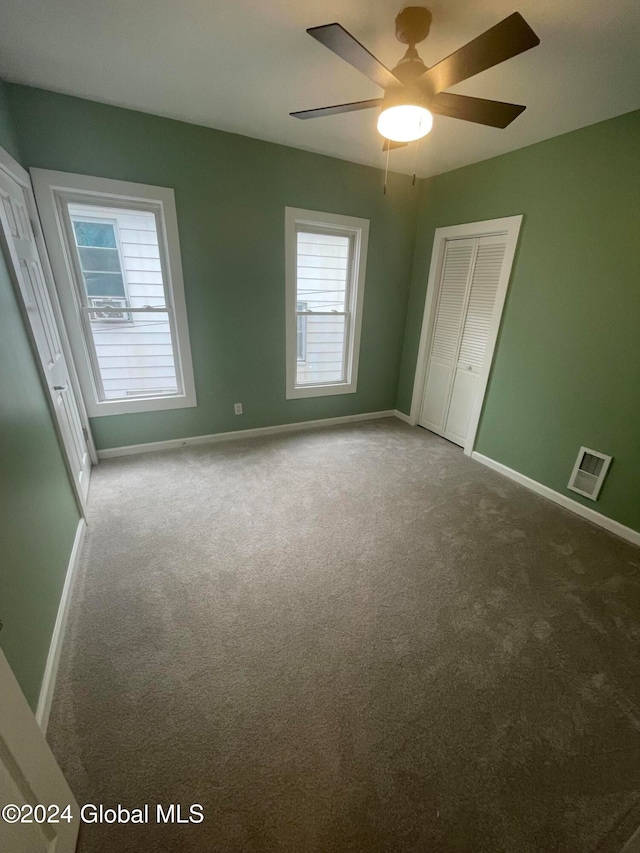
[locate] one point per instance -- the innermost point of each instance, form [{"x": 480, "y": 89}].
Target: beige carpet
[{"x": 349, "y": 639}]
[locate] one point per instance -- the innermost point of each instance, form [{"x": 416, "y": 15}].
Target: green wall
[
  {"x": 231, "y": 192},
  {"x": 8, "y": 139},
  {"x": 567, "y": 366},
  {"x": 38, "y": 513}
]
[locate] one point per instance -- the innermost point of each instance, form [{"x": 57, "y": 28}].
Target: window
[
  {"x": 101, "y": 265},
  {"x": 325, "y": 269},
  {"x": 114, "y": 249}
]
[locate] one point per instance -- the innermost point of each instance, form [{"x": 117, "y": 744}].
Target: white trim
[
  {"x": 509, "y": 225},
  {"x": 15, "y": 171},
  {"x": 359, "y": 230},
  {"x": 55, "y": 188},
  {"x": 62, "y": 329},
  {"x": 212, "y": 438},
  {"x": 609, "y": 524},
  {"x": 53, "y": 659},
  {"x": 402, "y": 417}
]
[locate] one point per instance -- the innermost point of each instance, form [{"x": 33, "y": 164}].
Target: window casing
[
  {"x": 116, "y": 258},
  {"x": 325, "y": 275}
]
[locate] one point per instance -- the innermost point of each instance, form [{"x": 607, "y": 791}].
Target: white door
[
  {"x": 30, "y": 781},
  {"x": 472, "y": 269},
  {"x": 25, "y": 258}
]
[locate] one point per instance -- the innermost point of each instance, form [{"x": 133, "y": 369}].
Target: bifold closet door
[
  {"x": 466, "y": 301},
  {"x": 447, "y": 328},
  {"x": 37, "y": 300}
]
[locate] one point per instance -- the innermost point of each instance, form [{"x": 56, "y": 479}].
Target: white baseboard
[
  {"x": 51, "y": 669},
  {"x": 609, "y": 524},
  {"x": 174, "y": 443},
  {"x": 401, "y": 416}
]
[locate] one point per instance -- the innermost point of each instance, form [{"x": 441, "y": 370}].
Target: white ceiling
[{"x": 243, "y": 65}]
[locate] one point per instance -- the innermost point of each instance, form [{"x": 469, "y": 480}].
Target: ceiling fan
[{"x": 413, "y": 92}]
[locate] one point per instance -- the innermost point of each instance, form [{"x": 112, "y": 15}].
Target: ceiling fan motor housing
[
  {"x": 413, "y": 24},
  {"x": 401, "y": 95}
]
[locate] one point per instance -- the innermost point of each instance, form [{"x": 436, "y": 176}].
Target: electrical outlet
[{"x": 237, "y": 408}]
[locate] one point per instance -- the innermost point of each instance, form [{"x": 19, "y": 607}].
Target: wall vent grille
[{"x": 589, "y": 472}]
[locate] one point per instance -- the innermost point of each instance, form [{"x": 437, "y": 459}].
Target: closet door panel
[
  {"x": 445, "y": 341},
  {"x": 482, "y": 297},
  {"x": 461, "y": 405},
  {"x": 436, "y": 396},
  {"x": 485, "y": 278}
]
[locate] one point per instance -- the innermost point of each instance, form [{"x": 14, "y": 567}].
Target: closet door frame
[{"x": 510, "y": 227}]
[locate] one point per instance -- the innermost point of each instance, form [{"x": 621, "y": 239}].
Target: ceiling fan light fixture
[{"x": 404, "y": 122}]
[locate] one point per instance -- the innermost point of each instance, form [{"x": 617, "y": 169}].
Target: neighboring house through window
[
  {"x": 325, "y": 267},
  {"x": 101, "y": 264},
  {"x": 120, "y": 279}
]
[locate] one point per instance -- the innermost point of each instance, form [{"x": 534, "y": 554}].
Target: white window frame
[
  {"x": 303, "y": 329},
  {"x": 54, "y": 191},
  {"x": 357, "y": 230}
]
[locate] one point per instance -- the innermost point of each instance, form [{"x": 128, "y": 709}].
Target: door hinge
[{"x": 85, "y": 433}]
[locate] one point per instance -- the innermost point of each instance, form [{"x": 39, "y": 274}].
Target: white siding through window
[
  {"x": 322, "y": 276},
  {"x": 134, "y": 351}
]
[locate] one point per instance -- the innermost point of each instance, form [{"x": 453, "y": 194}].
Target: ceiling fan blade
[
  {"x": 338, "y": 108},
  {"x": 507, "y": 39},
  {"x": 390, "y": 145},
  {"x": 478, "y": 110},
  {"x": 342, "y": 43}
]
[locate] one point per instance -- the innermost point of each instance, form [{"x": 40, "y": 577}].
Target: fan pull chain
[
  {"x": 386, "y": 171},
  {"x": 415, "y": 164}
]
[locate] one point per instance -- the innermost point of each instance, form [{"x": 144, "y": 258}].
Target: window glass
[
  {"x": 135, "y": 358},
  {"x": 133, "y": 353},
  {"x": 99, "y": 258},
  {"x": 322, "y": 271},
  {"x": 95, "y": 234}
]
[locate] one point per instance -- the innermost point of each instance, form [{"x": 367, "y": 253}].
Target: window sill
[
  {"x": 301, "y": 391},
  {"x": 153, "y": 404}
]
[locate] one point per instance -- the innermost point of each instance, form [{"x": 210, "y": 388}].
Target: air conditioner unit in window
[
  {"x": 589, "y": 472},
  {"x": 109, "y": 302}
]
